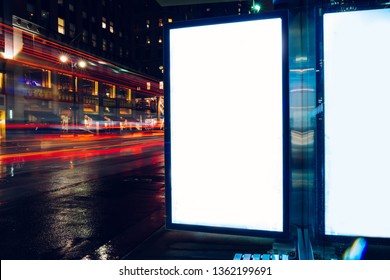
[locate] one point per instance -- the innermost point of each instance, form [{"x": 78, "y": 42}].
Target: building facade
[
  {"x": 47, "y": 86},
  {"x": 99, "y": 27},
  {"x": 128, "y": 32},
  {"x": 149, "y": 20}
]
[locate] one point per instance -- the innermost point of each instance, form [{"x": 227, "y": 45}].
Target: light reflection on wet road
[{"x": 68, "y": 207}]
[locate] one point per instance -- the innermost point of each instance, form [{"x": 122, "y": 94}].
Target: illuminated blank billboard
[
  {"x": 357, "y": 131},
  {"x": 227, "y": 125}
]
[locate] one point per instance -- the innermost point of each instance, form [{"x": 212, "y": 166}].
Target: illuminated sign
[
  {"x": 356, "y": 98},
  {"x": 227, "y": 134}
]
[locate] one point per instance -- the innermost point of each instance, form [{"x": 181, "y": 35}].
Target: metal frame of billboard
[{"x": 283, "y": 15}]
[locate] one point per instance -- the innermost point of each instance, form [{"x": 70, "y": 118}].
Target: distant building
[
  {"x": 150, "y": 17},
  {"x": 65, "y": 65},
  {"x": 99, "y": 27},
  {"x": 127, "y": 32}
]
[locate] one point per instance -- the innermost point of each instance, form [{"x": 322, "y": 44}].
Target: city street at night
[
  {"x": 71, "y": 202},
  {"x": 142, "y": 135}
]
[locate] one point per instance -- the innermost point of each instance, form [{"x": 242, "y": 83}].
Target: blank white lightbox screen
[
  {"x": 357, "y": 123},
  {"x": 227, "y": 125}
]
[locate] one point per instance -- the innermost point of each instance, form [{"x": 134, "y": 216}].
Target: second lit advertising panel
[{"x": 357, "y": 96}]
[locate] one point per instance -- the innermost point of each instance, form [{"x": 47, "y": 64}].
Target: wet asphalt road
[{"x": 70, "y": 207}]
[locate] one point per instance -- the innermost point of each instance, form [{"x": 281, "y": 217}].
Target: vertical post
[
  {"x": 81, "y": 64},
  {"x": 74, "y": 109}
]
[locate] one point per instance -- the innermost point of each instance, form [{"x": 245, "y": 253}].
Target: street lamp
[
  {"x": 74, "y": 65},
  {"x": 64, "y": 58},
  {"x": 256, "y": 7},
  {"x": 80, "y": 63}
]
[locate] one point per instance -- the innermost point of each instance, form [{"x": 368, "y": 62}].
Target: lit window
[
  {"x": 85, "y": 36},
  {"x": 104, "y": 23},
  {"x": 88, "y": 87},
  {"x": 128, "y": 96},
  {"x": 37, "y": 77},
  {"x": 30, "y": 9},
  {"x": 61, "y": 26},
  {"x": 104, "y": 45},
  {"x": 93, "y": 37},
  {"x": 170, "y": 20},
  {"x": 160, "y": 22},
  {"x": 148, "y": 85},
  {"x": 108, "y": 90},
  {"x": 45, "y": 14},
  {"x": 147, "y": 23},
  {"x": 64, "y": 82},
  {"x": 160, "y": 40},
  {"x": 148, "y": 40},
  {"x": 96, "y": 89},
  {"x": 46, "y": 78},
  {"x": 111, "y": 27},
  {"x": 72, "y": 30}
]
